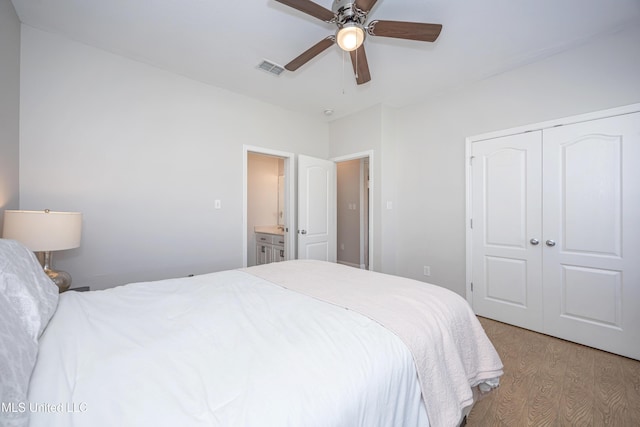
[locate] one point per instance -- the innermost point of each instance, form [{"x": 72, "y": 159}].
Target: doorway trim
[
  {"x": 357, "y": 156},
  {"x": 290, "y": 199}
]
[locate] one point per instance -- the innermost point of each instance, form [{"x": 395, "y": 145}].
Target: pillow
[{"x": 28, "y": 299}]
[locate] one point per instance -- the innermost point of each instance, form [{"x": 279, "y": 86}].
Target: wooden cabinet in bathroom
[{"x": 269, "y": 248}]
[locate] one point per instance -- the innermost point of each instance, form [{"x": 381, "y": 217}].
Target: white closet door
[
  {"x": 591, "y": 211},
  {"x": 506, "y": 234}
]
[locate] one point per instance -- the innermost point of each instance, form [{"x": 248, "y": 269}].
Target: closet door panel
[
  {"x": 506, "y": 269},
  {"x": 591, "y": 189},
  {"x": 591, "y": 210}
]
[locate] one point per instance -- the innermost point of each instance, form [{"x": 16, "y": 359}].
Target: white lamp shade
[
  {"x": 42, "y": 231},
  {"x": 350, "y": 37}
]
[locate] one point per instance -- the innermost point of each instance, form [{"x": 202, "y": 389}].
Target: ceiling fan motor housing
[{"x": 346, "y": 13}]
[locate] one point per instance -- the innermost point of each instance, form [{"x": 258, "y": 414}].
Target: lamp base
[{"x": 62, "y": 279}]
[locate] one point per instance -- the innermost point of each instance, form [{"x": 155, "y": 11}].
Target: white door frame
[
  {"x": 362, "y": 155},
  {"x": 290, "y": 198},
  {"x": 521, "y": 129}
]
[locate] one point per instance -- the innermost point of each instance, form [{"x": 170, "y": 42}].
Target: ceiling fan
[{"x": 350, "y": 17}]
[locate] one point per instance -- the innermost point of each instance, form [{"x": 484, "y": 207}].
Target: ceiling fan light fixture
[{"x": 350, "y": 36}]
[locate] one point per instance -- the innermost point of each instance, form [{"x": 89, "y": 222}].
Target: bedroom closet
[{"x": 553, "y": 236}]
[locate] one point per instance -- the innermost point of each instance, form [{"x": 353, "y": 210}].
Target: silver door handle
[
  {"x": 302, "y": 231},
  {"x": 534, "y": 242},
  {"x": 550, "y": 243}
]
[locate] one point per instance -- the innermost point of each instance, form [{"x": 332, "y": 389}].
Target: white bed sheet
[{"x": 223, "y": 349}]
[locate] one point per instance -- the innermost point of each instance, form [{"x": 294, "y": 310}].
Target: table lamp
[{"x": 45, "y": 231}]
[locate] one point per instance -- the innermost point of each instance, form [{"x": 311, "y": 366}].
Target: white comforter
[
  {"x": 451, "y": 350},
  {"x": 224, "y": 349}
]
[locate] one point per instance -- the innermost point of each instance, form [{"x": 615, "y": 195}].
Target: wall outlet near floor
[{"x": 427, "y": 270}]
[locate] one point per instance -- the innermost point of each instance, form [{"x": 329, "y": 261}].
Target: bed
[{"x": 297, "y": 343}]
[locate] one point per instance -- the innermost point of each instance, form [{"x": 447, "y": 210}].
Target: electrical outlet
[
  {"x": 342, "y": 246},
  {"x": 427, "y": 270}
]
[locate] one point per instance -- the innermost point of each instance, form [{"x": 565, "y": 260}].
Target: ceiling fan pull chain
[{"x": 343, "y": 71}]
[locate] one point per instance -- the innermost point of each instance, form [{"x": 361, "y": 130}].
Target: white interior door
[
  {"x": 317, "y": 209},
  {"x": 506, "y": 233},
  {"x": 592, "y": 219}
]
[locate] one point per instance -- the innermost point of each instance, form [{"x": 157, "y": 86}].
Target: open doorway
[
  {"x": 267, "y": 213},
  {"x": 353, "y": 210}
]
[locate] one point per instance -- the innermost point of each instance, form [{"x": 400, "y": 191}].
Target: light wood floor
[{"x": 552, "y": 382}]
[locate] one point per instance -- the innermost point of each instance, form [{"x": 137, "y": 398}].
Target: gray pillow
[{"x": 28, "y": 299}]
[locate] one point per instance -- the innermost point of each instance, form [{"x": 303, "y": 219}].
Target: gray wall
[
  {"x": 430, "y": 141},
  {"x": 419, "y": 149},
  {"x": 143, "y": 154},
  {"x": 9, "y": 107},
  {"x": 357, "y": 133},
  {"x": 146, "y": 152}
]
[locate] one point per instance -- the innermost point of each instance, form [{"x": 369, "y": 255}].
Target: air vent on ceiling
[{"x": 270, "y": 67}]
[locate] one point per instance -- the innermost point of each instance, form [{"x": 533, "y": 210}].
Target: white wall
[
  {"x": 374, "y": 129},
  {"x": 9, "y": 107},
  {"x": 357, "y": 133},
  {"x": 420, "y": 163},
  {"x": 431, "y": 138},
  {"x": 143, "y": 153}
]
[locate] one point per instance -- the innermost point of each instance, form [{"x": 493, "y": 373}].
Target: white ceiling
[{"x": 222, "y": 42}]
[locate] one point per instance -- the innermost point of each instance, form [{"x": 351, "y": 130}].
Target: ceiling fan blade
[
  {"x": 310, "y": 53},
  {"x": 405, "y": 30},
  {"x": 310, "y": 8},
  {"x": 360, "y": 65},
  {"x": 365, "y": 5}
]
